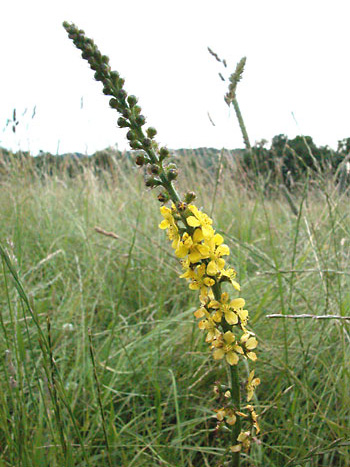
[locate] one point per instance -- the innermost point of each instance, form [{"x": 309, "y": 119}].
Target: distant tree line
[{"x": 286, "y": 160}]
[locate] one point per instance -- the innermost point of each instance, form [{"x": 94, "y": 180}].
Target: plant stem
[
  {"x": 236, "y": 399},
  {"x": 234, "y": 389}
]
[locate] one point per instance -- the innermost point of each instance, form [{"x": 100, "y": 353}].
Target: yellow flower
[
  {"x": 228, "y": 414},
  {"x": 192, "y": 247},
  {"x": 216, "y": 251},
  {"x": 224, "y": 308},
  {"x": 201, "y": 282},
  {"x": 230, "y": 275},
  {"x": 200, "y": 219},
  {"x": 252, "y": 383},
  {"x": 225, "y": 346},
  {"x": 208, "y": 324},
  {"x": 244, "y": 442},
  {"x": 169, "y": 223},
  {"x": 254, "y": 418},
  {"x": 249, "y": 342}
]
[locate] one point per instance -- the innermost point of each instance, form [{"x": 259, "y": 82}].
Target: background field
[{"x": 112, "y": 363}]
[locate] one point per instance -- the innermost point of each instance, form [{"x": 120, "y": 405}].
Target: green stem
[
  {"x": 236, "y": 399},
  {"x": 241, "y": 124},
  {"x": 234, "y": 388}
]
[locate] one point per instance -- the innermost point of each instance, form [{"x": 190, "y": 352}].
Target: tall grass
[{"x": 101, "y": 365}]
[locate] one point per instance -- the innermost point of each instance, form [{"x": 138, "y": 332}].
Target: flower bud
[
  {"x": 121, "y": 94},
  {"x": 98, "y": 76},
  {"x": 147, "y": 143},
  {"x": 154, "y": 169},
  {"x": 189, "y": 197},
  {"x": 135, "y": 144},
  {"x": 137, "y": 110},
  {"x": 132, "y": 100},
  {"x": 163, "y": 153},
  {"x": 122, "y": 122},
  {"x": 113, "y": 103},
  {"x": 163, "y": 197},
  {"x": 172, "y": 174},
  {"x": 151, "y": 132},
  {"x": 107, "y": 91},
  {"x": 131, "y": 135},
  {"x": 114, "y": 77},
  {"x": 126, "y": 113},
  {"x": 140, "y": 120},
  {"x": 140, "y": 160},
  {"x": 152, "y": 182}
]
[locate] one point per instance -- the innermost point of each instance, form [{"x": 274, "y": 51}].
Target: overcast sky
[{"x": 296, "y": 81}]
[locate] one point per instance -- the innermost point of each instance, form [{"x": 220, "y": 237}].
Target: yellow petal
[
  {"x": 231, "y": 317},
  {"x": 251, "y": 343},
  {"x": 237, "y": 303},
  {"x": 199, "y": 313},
  {"x": 218, "y": 239},
  {"x": 218, "y": 354},
  {"x": 192, "y": 221},
  {"x": 229, "y": 337},
  {"x": 197, "y": 236},
  {"x": 212, "y": 268},
  {"x": 232, "y": 358},
  {"x": 252, "y": 356},
  {"x": 164, "y": 224},
  {"x": 236, "y": 448}
]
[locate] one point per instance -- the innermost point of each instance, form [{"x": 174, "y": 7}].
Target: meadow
[{"x": 102, "y": 362}]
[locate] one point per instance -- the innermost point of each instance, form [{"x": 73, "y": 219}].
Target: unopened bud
[
  {"x": 140, "y": 120},
  {"x": 172, "y": 174},
  {"x": 135, "y": 144},
  {"x": 122, "y": 122},
  {"x": 163, "y": 197},
  {"x": 132, "y": 100},
  {"x": 189, "y": 196},
  {"x": 163, "y": 153},
  {"x": 140, "y": 160},
  {"x": 151, "y": 132},
  {"x": 113, "y": 103},
  {"x": 152, "y": 182},
  {"x": 147, "y": 143},
  {"x": 131, "y": 135},
  {"x": 154, "y": 169},
  {"x": 121, "y": 94}
]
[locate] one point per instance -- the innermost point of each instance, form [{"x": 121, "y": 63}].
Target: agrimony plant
[{"x": 199, "y": 248}]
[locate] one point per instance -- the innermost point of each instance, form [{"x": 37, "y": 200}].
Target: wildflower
[
  {"x": 169, "y": 223},
  {"x": 229, "y": 275},
  {"x": 224, "y": 346},
  {"x": 216, "y": 250},
  {"x": 252, "y": 383},
  {"x": 244, "y": 442},
  {"x": 199, "y": 280},
  {"x": 192, "y": 246},
  {"x": 249, "y": 342},
  {"x": 226, "y": 414},
  {"x": 200, "y": 219},
  {"x": 208, "y": 324},
  {"x": 223, "y": 308},
  {"x": 254, "y": 418}
]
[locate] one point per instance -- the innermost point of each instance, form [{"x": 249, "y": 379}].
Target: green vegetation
[{"x": 145, "y": 398}]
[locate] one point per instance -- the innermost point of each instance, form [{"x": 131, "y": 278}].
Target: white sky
[{"x": 298, "y": 61}]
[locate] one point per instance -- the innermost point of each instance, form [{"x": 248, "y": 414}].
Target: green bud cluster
[{"x": 131, "y": 116}]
